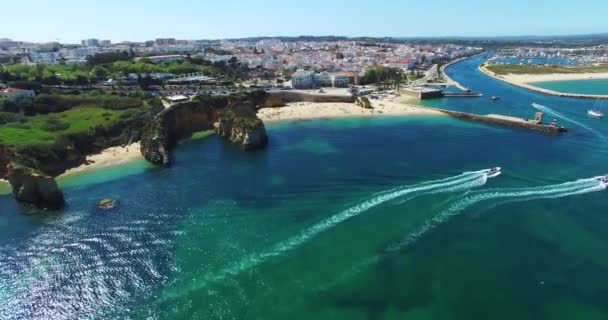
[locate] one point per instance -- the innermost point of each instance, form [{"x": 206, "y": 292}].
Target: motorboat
[
  {"x": 494, "y": 172},
  {"x": 595, "y": 114},
  {"x": 603, "y": 179}
]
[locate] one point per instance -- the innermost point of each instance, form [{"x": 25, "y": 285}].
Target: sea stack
[
  {"x": 240, "y": 125},
  {"x": 34, "y": 187}
]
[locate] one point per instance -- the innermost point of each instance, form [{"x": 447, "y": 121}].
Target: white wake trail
[
  {"x": 550, "y": 111},
  {"x": 567, "y": 189},
  {"x": 463, "y": 181}
]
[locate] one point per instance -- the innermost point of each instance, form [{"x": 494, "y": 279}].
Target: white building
[
  {"x": 302, "y": 80},
  {"x": 90, "y": 43},
  {"x": 322, "y": 80},
  {"x": 341, "y": 80},
  {"x": 16, "y": 94}
]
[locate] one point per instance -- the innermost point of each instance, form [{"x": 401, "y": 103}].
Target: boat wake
[
  {"x": 461, "y": 203},
  {"x": 462, "y": 182},
  {"x": 554, "y": 113}
]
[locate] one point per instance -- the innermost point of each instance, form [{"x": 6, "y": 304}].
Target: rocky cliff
[
  {"x": 205, "y": 112},
  {"x": 240, "y": 125},
  {"x": 34, "y": 187}
]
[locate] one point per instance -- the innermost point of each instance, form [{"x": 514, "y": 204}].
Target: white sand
[
  {"x": 310, "y": 110},
  {"x": 526, "y": 81},
  {"x": 109, "y": 157},
  {"x": 529, "y": 78}
]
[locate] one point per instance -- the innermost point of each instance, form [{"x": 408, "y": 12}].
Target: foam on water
[
  {"x": 459, "y": 204},
  {"x": 461, "y": 182}
]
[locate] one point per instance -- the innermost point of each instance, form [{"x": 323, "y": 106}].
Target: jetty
[{"x": 514, "y": 122}]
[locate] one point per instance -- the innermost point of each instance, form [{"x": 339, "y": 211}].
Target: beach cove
[{"x": 340, "y": 203}]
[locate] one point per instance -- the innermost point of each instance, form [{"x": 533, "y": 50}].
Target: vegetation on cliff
[{"x": 62, "y": 129}]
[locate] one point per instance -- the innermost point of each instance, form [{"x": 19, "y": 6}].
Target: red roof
[{"x": 11, "y": 90}]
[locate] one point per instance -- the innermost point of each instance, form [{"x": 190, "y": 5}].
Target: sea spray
[
  {"x": 461, "y": 182},
  {"x": 459, "y": 204}
]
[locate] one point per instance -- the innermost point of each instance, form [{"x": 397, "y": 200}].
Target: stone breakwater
[
  {"x": 504, "y": 121},
  {"x": 489, "y": 73}
]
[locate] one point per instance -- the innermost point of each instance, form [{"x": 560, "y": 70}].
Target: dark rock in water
[
  {"x": 180, "y": 121},
  {"x": 240, "y": 125},
  {"x": 34, "y": 187},
  {"x": 107, "y": 204}
]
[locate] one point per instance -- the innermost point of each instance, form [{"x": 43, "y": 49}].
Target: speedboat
[
  {"x": 494, "y": 172},
  {"x": 595, "y": 114},
  {"x": 603, "y": 179}
]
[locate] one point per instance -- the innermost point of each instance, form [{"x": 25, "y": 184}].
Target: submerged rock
[
  {"x": 34, "y": 187},
  {"x": 107, "y": 204}
]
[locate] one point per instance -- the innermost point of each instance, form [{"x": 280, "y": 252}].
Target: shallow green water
[
  {"x": 590, "y": 86},
  {"x": 337, "y": 219}
]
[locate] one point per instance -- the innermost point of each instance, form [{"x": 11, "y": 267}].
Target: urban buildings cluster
[
  {"x": 318, "y": 63},
  {"x": 585, "y": 55}
]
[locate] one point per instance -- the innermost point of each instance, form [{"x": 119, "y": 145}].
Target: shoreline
[
  {"x": 449, "y": 79},
  {"x": 330, "y": 110},
  {"x": 524, "y": 81},
  {"x": 110, "y": 157}
]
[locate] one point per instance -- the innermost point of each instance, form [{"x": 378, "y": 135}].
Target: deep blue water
[{"x": 337, "y": 219}]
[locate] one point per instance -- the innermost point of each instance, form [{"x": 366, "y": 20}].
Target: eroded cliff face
[
  {"x": 205, "y": 112},
  {"x": 34, "y": 187},
  {"x": 240, "y": 125}
]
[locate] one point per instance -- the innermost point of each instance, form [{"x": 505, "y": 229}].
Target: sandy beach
[
  {"x": 526, "y": 80},
  {"x": 109, "y": 157},
  {"x": 310, "y": 110},
  {"x": 529, "y": 78}
]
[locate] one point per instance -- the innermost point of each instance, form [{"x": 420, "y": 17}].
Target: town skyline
[{"x": 117, "y": 21}]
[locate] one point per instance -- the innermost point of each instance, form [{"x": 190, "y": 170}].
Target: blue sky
[{"x": 137, "y": 20}]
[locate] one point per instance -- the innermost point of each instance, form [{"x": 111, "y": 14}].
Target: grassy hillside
[
  {"x": 45, "y": 129},
  {"x": 532, "y": 69}
]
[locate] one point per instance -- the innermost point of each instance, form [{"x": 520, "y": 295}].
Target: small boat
[
  {"x": 494, "y": 98},
  {"x": 494, "y": 172},
  {"x": 595, "y": 114},
  {"x": 603, "y": 179}
]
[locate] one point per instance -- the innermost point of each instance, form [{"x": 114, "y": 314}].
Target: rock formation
[
  {"x": 205, "y": 112},
  {"x": 34, "y": 187},
  {"x": 240, "y": 125},
  {"x": 364, "y": 102}
]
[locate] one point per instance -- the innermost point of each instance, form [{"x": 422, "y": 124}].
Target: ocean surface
[
  {"x": 590, "y": 86},
  {"x": 383, "y": 218}
]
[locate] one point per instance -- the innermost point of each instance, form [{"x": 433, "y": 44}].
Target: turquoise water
[
  {"x": 590, "y": 86},
  {"x": 383, "y": 218}
]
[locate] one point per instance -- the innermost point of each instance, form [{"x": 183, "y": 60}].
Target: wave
[{"x": 464, "y": 181}]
